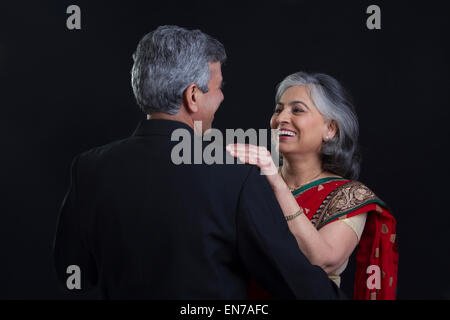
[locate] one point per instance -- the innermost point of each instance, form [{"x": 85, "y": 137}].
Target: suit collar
[{"x": 160, "y": 127}]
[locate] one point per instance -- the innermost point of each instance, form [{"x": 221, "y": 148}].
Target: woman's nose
[{"x": 284, "y": 116}]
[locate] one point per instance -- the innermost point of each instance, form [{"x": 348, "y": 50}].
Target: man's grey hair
[
  {"x": 340, "y": 154},
  {"x": 168, "y": 60}
]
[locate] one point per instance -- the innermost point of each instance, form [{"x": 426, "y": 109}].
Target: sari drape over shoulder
[{"x": 332, "y": 199}]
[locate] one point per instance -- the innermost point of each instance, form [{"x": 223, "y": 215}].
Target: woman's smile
[{"x": 286, "y": 134}]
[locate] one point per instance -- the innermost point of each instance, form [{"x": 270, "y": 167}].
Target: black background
[{"x": 65, "y": 91}]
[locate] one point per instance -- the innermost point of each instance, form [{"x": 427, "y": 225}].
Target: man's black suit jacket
[{"x": 140, "y": 226}]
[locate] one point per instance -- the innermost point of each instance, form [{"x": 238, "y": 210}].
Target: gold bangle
[{"x": 295, "y": 215}]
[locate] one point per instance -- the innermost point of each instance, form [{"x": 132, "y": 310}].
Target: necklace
[{"x": 297, "y": 187}]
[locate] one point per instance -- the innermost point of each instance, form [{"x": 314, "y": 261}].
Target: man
[{"x": 140, "y": 226}]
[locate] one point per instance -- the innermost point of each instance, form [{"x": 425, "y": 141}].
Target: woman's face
[{"x": 302, "y": 128}]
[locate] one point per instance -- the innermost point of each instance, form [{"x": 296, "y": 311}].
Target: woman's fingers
[
  {"x": 251, "y": 149},
  {"x": 251, "y": 154},
  {"x": 254, "y": 155},
  {"x": 246, "y": 157}
]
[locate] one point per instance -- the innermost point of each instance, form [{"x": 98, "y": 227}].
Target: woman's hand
[{"x": 260, "y": 157}]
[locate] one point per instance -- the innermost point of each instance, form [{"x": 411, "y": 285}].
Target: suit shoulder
[
  {"x": 100, "y": 152},
  {"x": 93, "y": 159}
]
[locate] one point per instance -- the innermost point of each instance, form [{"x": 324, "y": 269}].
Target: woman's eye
[
  {"x": 297, "y": 110},
  {"x": 277, "y": 110}
]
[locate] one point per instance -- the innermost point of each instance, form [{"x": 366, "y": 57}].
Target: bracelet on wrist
[{"x": 295, "y": 215}]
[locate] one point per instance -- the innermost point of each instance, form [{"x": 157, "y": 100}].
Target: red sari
[{"x": 331, "y": 199}]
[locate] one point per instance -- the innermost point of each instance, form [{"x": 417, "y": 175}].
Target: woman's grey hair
[
  {"x": 340, "y": 154},
  {"x": 168, "y": 60}
]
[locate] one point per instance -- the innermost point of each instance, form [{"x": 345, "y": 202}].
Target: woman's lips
[
  {"x": 286, "y": 134},
  {"x": 285, "y": 138}
]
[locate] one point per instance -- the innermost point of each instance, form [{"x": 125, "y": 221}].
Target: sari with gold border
[{"x": 331, "y": 199}]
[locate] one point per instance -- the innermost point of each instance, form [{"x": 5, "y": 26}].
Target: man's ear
[{"x": 190, "y": 97}]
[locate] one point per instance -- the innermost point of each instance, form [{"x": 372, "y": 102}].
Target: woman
[{"x": 328, "y": 212}]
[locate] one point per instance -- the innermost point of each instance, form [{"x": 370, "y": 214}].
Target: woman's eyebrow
[
  {"x": 292, "y": 103},
  {"x": 298, "y": 102}
]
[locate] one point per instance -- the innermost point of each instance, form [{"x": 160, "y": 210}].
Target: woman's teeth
[{"x": 287, "y": 133}]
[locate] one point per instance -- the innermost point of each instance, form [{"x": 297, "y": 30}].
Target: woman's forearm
[{"x": 309, "y": 240}]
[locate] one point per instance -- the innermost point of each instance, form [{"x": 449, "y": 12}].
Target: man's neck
[{"x": 174, "y": 117}]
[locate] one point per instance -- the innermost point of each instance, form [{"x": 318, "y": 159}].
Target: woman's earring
[{"x": 327, "y": 138}]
